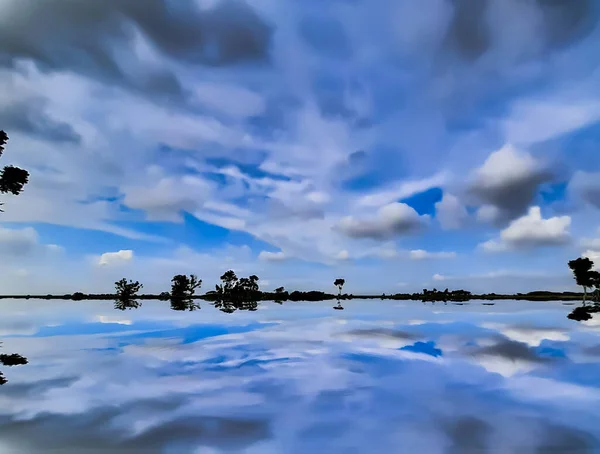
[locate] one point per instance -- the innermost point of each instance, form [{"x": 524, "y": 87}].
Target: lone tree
[
  {"x": 339, "y": 283},
  {"x": 184, "y": 287},
  {"x": 182, "y": 292},
  {"x": 12, "y": 179},
  {"x": 127, "y": 290},
  {"x": 582, "y": 271}
]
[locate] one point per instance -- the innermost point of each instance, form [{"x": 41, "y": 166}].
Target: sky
[
  {"x": 399, "y": 377},
  {"x": 397, "y": 144}
]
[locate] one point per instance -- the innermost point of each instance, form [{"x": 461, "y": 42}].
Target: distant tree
[
  {"x": 127, "y": 290},
  {"x": 581, "y": 268},
  {"x": 77, "y": 296},
  {"x": 183, "y": 286},
  {"x": 164, "y": 296},
  {"x": 339, "y": 283},
  {"x": 279, "y": 290},
  {"x": 12, "y": 179}
]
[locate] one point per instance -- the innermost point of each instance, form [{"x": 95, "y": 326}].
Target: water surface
[{"x": 377, "y": 377}]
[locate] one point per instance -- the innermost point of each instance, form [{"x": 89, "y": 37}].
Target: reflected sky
[{"x": 379, "y": 376}]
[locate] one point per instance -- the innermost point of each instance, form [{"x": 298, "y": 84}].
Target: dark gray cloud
[
  {"x": 567, "y": 440},
  {"x": 469, "y": 435},
  {"x": 480, "y": 26},
  {"x": 391, "y": 220},
  {"x": 511, "y": 350},
  {"x": 37, "y": 388},
  {"x": 29, "y": 117},
  {"x": 95, "y": 38},
  {"x": 508, "y": 183},
  {"x": 98, "y": 431}
]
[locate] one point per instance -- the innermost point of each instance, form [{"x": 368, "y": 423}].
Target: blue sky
[{"x": 401, "y": 146}]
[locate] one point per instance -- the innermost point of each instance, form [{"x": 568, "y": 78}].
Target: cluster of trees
[{"x": 446, "y": 295}]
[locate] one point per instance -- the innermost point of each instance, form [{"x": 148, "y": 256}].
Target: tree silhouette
[
  {"x": 582, "y": 268},
  {"x": 182, "y": 292},
  {"x": 339, "y": 283},
  {"x": 126, "y": 293},
  {"x": 126, "y": 289},
  {"x": 234, "y": 293},
  {"x": 183, "y": 286},
  {"x": 12, "y": 179}
]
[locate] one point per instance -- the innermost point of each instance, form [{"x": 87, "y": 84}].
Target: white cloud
[
  {"x": 532, "y": 230},
  {"x": 450, "y": 212},
  {"x": 594, "y": 256},
  {"x": 402, "y": 190},
  {"x": 389, "y": 221},
  {"x": 536, "y": 120},
  {"x": 440, "y": 277},
  {"x": 272, "y": 256},
  {"x": 23, "y": 243},
  {"x": 115, "y": 258},
  {"x": 343, "y": 255},
  {"x": 165, "y": 200},
  {"x": 420, "y": 254}
]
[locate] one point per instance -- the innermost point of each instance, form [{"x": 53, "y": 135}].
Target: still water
[{"x": 377, "y": 377}]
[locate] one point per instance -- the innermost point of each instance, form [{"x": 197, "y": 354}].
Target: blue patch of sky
[
  {"x": 550, "y": 352},
  {"x": 192, "y": 232},
  {"x": 582, "y": 146},
  {"x": 373, "y": 168},
  {"x": 194, "y": 333},
  {"x": 77, "y": 241},
  {"x": 424, "y": 202},
  {"x": 555, "y": 192},
  {"x": 427, "y": 348},
  {"x": 326, "y": 36}
]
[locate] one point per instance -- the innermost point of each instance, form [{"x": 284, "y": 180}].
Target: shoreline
[{"x": 320, "y": 296}]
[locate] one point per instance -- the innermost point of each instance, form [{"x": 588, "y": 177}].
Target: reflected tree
[
  {"x": 583, "y": 313},
  {"x": 126, "y": 294},
  {"x": 12, "y": 179},
  {"x": 11, "y": 360},
  {"x": 183, "y": 289}
]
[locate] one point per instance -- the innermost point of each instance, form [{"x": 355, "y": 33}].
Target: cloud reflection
[{"x": 299, "y": 377}]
